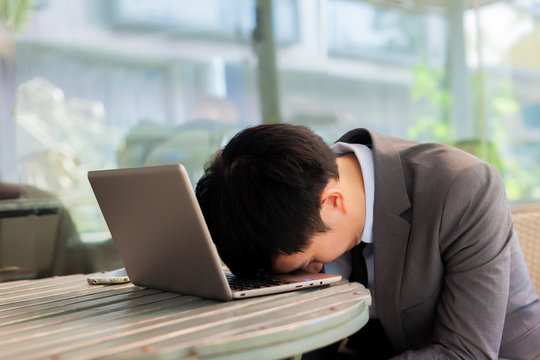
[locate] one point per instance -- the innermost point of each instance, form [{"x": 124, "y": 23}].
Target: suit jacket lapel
[
  {"x": 390, "y": 229},
  {"x": 391, "y": 234}
]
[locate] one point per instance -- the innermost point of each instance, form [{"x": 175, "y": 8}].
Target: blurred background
[{"x": 95, "y": 84}]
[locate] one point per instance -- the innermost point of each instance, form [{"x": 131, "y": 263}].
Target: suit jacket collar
[
  {"x": 390, "y": 229},
  {"x": 389, "y": 177}
]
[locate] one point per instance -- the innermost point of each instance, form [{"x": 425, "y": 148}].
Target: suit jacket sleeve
[{"x": 474, "y": 238}]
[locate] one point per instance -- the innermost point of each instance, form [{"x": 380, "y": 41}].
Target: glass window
[
  {"x": 219, "y": 19},
  {"x": 360, "y": 29}
]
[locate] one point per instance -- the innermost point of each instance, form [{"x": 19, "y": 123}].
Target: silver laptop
[{"x": 163, "y": 241}]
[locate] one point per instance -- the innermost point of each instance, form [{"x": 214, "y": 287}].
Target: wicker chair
[{"x": 527, "y": 225}]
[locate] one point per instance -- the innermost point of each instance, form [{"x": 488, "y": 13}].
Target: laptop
[{"x": 161, "y": 236}]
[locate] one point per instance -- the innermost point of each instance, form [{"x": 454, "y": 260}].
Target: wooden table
[{"x": 65, "y": 318}]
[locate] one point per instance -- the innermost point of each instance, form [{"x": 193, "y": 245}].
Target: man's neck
[{"x": 351, "y": 181}]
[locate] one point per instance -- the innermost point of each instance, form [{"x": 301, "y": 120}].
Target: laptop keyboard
[{"x": 237, "y": 283}]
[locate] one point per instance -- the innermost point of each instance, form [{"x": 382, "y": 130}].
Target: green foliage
[
  {"x": 14, "y": 14},
  {"x": 519, "y": 182},
  {"x": 434, "y": 100},
  {"x": 432, "y": 97}
]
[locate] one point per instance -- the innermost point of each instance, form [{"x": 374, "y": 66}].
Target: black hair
[{"x": 260, "y": 195}]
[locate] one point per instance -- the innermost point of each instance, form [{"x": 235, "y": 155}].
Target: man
[{"x": 444, "y": 267}]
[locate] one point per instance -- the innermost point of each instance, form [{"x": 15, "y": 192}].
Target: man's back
[{"x": 442, "y": 220}]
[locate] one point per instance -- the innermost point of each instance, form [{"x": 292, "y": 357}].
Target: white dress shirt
[{"x": 343, "y": 265}]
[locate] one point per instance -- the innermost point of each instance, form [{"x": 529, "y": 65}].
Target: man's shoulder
[
  {"x": 421, "y": 153},
  {"x": 376, "y": 140}
]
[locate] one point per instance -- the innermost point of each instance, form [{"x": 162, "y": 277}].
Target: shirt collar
[{"x": 365, "y": 158}]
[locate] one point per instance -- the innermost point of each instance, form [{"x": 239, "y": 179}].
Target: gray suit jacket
[{"x": 450, "y": 279}]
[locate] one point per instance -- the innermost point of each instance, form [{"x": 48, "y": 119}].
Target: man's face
[
  {"x": 344, "y": 216},
  {"x": 324, "y": 248}
]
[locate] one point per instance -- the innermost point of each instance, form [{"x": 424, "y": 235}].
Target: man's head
[{"x": 261, "y": 194}]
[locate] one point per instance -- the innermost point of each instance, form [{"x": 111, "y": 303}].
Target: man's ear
[{"x": 332, "y": 198}]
